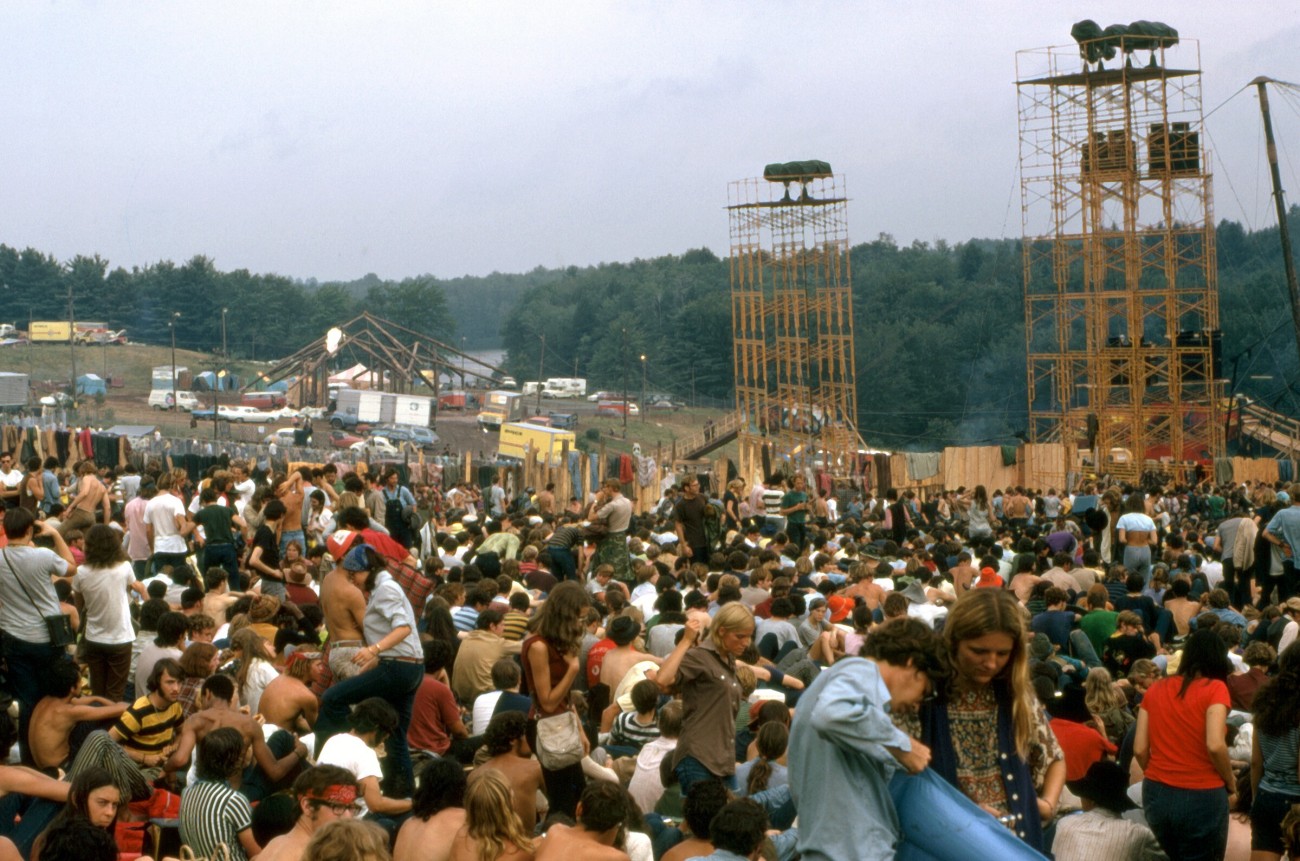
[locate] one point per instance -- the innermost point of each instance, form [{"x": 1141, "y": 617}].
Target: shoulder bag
[
  {"x": 559, "y": 740},
  {"x": 58, "y": 626}
]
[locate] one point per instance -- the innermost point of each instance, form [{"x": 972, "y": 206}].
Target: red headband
[{"x": 336, "y": 794}]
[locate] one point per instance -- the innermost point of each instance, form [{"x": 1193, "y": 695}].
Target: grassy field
[{"x": 133, "y": 362}]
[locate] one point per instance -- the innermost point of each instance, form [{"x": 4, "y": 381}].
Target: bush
[{"x": 592, "y": 434}]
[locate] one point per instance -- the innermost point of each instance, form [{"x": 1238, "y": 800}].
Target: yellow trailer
[{"x": 546, "y": 443}]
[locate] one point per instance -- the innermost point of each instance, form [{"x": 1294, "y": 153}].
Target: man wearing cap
[
  {"x": 1284, "y": 531},
  {"x": 1101, "y": 831},
  {"x": 324, "y": 793}
]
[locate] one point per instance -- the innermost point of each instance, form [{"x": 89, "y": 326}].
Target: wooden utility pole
[{"x": 1284, "y": 232}]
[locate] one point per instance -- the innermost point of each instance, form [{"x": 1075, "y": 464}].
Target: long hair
[
  {"x": 348, "y": 840},
  {"x": 1204, "y": 657},
  {"x": 1099, "y": 692},
  {"x": 981, "y": 498},
  {"x": 251, "y": 647},
  {"x": 995, "y": 611},
  {"x": 560, "y": 619},
  {"x": 82, "y": 785},
  {"x": 490, "y": 816},
  {"x": 103, "y": 547},
  {"x": 1277, "y": 703},
  {"x": 196, "y": 660},
  {"x": 442, "y": 785},
  {"x": 772, "y": 740}
]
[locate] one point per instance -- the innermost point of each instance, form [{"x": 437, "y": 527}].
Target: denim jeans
[
  {"x": 690, "y": 770},
  {"x": 1138, "y": 561},
  {"x": 1191, "y": 824},
  {"x": 392, "y": 680},
  {"x": 223, "y": 556},
  {"x": 29, "y": 666},
  {"x": 563, "y": 565}
]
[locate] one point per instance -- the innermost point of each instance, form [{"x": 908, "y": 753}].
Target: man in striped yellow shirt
[{"x": 148, "y": 730}]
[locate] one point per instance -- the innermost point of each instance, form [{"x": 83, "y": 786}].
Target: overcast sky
[{"x": 331, "y": 139}]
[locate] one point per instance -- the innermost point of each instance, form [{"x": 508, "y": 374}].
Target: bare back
[
  {"x": 286, "y": 847},
  {"x": 288, "y": 704},
  {"x": 465, "y": 848},
  {"x": 344, "y": 606},
  {"x": 563, "y": 843},
  {"x": 525, "y": 778},
  {"x": 431, "y": 839}
]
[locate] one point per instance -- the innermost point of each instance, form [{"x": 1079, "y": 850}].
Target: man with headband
[{"x": 324, "y": 793}]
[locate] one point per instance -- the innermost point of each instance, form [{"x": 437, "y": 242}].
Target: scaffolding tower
[
  {"x": 792, "y": 319},
  {"x": 1121, "y": 296}
]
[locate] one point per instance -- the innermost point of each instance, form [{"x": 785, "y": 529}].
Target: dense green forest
[{"x": 939, "y": 330}]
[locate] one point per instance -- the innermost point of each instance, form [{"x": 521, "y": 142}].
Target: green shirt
[
  {"x": 792, "y": 498},
  {"x": 215, "y": 520},
  {"x": 1099, "y": 625}
]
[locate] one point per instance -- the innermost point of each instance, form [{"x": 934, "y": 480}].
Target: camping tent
[{"x": 91, "y": 384}]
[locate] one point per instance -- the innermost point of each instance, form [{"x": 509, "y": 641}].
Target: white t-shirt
[
  {"x": 261, "y": 674},
  {"x": 1136, "y": 521},
  {"x": 347, "y": 751},
  {"x": 12, "y": 478},
  {"x": 484, "y": 705},
  {"x": 245, "y": 490},
  {"x": 161, "y": 514},
  {"x": 108, "y": 602}
]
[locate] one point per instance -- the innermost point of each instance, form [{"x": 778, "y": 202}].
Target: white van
[{"x": 161, "y": 399}]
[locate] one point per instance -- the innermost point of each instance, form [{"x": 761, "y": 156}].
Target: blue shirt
[
  {"x": 839, "y": 769},
  {"x": 1286, "y": 525}
]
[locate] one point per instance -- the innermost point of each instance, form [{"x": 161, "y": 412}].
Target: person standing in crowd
[
  {"x": 27, "y": 598},
  {"x": 550, "y": 665},
  {"x": 1137, "y": 532},
  {"x": 986, "y": 732},
  {"x": 844, "y": 746},
  {"x": 704, "y": 673},
  {"x": 1274, "y": 763},
  {"x": 398, "y": 499},
  {"x": 105, "y": 582},
  {"x": 794, "y": 508},
  {"x": 1188, "y": 784},
  {"x": 689, "y": 517},
  {"x": 393, "y": 662},
  {"x": 166, "y": 525},
  {"x": 1283, "y": 531},
  {"x": 613, "y": 510},
  {"x": 91, "y": 499}
]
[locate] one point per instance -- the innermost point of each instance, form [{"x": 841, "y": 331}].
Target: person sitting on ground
[
  {"x": 492, "y": 828},
  {"x": 220, "y": 711},
  {"x": 646, "y": 784},
  {"x": 212, "y": 813},
  {"x": 738, "y": 831},
  {"x": 78, "y": 839},
  {"x": 348, "y": 840},
  {"x": 437, "y": 814},
  {"x": 62, "y": 719},
  {"x": 324, "y": 794},
  {"x": 287, "y": 701},
  {"x": 602, "y": 810},
  {"x": 633, "y": 729},
  {"x": 93, "y": 797},
  {"x": 147, "y": 731},
  {"x": 507, "y": 744},
  {"x": 479, "y": 650},
  {"x": 505, "y": 697},
  {"x": 436, "y": 724},
  {"x": 372, "y": 720},
  {"x": 169, "y": 642},
  {"x": 765, "y": 771},
  {"x": 704, "y": 802},
  {"x": 1128, "y": 644},
  {"x": 624, "y": 631}
]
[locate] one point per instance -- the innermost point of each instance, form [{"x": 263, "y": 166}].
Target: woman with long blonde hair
[
  {"x": 987, "y": 735},
  {"x": 492, "y": 830}
]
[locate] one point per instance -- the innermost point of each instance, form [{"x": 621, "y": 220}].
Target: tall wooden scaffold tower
[
  {"x": 792, "y": 316},
  {"x": 1121, "y": 295}
]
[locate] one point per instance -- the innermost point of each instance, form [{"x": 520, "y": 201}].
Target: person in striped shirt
[
  {"x": 631, "y": 730},
  {"x": 147, "y": 730},
  {"x": 212, "y": 813}
]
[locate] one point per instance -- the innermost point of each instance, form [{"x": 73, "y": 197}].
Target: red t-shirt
[
  {"x": 1082, "y": 746},
  {"x": 596, "y": 657},
  {"x": 1176, "y": 729},
  {"x": 433, "y": 712}
]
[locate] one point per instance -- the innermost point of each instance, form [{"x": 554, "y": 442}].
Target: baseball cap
[{"x": 340, "y": 542}]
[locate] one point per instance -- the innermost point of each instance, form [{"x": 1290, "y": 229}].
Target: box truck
[{"x": 546, "y": 444}]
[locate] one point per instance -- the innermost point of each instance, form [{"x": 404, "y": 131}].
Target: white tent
[{"x": 356, "y": 377}]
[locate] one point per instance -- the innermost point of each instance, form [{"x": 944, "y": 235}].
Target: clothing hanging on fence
[
  {"x": 646, "y": 470},
  {"x": 1285, "y": 470},
  {"x": 922, "y": 464},
  {"x": 1009, "y": 454},
  {"x": 883, "y": 479},
  {"x": 1222, "y": 470}
]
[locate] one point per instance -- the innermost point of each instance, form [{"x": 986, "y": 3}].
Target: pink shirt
[{"x": 137, "y": 539}]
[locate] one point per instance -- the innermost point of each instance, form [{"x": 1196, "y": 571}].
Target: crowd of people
[{"x": 322, "y": 665}]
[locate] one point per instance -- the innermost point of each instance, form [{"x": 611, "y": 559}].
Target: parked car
[
  {"x": 662, "y": 402},
  {"x": 161, "y": 399},
  {"x": 605, "y": 396},
  {"x": 377, "y": 445},
  {"x": 414, "y": 434},
  {"x": 567, "y": 421},
  {"x": 617, "y": 408},
  {"x": 343, "y": 439},
  {"x": 281, "y": 436},
  {"x": 239, "y": 413}
]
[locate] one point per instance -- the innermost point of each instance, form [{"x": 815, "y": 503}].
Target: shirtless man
[
  {"x": 963, "y": 574},
  {"x": 218, "y": 598},
  {"x": 324, "y": 793},
  {"x": 618, "y": 660},
  {"x": 344, "y": 606},
  {"x": 862, "y": 582},
  {"x": 218, "y": 701},
  {"x": 59, "y": 712},
  {"x": 287, "y": 702},
  {"x": 290, "y": 492},
  {"x": 437, "y": 814},
  {"x": 507, "y": 745},
  {"x": 601, "y": 811}
]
